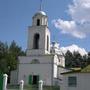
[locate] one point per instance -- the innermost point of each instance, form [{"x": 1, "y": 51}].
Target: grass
[{"x": 33, "y": 87}]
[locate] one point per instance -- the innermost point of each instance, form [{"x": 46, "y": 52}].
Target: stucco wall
[
  {"x": 43, "y": 69},
  {"x": 83, "y": 81},
  {"x": 43, "y": 31}
]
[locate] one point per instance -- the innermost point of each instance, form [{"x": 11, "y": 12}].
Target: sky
[{"x": 69, "y": 21}]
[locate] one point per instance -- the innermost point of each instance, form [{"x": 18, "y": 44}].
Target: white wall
[
  {"x": 83, "y": 81},
  {"x": 47, "y": 69},
  {"x": 44, "y": 69},
  {"x": 41, "y": 58},
  {"x": 55, "y": 66},
  {"x": 14, "y": 77},
  {"x": 43, "y": 31},
  {"x": 43, "y": 19}
]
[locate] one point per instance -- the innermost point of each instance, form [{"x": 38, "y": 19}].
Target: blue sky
[{"x": 67, "y": 27}]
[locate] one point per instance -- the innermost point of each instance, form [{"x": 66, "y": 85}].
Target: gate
[{"x": 1, "y": 81}]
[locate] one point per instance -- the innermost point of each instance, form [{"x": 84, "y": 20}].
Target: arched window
[
  {"x": 47, "y": 43},
  {"x": 36, "y": 41},
  {"x": 35, "y": 61},
  {"x": 38, "y": 22}
]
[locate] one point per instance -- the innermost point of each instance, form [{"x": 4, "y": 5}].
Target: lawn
[{"x": 33, "y": 88}]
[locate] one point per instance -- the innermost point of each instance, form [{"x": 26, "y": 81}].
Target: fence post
[
  {"x": 21, "y": 84},
  {"x": 5, "y": 77},
  {"x": 40, "y": 85}
]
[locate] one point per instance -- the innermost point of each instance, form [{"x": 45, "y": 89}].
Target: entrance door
[
  {"x": 33, "y": 79},
  {"x": 1, "y": 81},
  {"x": 30, "y": 79}
]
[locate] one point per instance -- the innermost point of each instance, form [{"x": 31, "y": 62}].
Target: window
[
  {"x": 72, "y": 81},
  {"x": 47, "y": 42},
  {"x": 35, "y": 61},
  {"x": 38, "y": 22},
  {"x": 36, "y": 41}
]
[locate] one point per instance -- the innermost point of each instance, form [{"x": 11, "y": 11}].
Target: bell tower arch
[{"x": 36, "y": 41}]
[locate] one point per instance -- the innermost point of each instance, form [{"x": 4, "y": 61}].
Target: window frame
[{"x": 72, "y": 81}]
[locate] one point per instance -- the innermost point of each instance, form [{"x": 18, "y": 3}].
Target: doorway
[{"x": 33, "y": 79}]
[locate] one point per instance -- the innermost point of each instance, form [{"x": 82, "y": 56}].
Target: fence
[
  {"x": 3, "y": 85},
  {"x": 1, "y": 81}
]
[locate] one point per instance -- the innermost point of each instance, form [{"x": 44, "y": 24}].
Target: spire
[
  {"x": 40, "y": 11},
  {"x": 40, "y": 5}
]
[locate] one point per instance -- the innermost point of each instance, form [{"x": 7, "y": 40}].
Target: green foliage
[
  {"x": 68, "y": 59},
  {"x": 9, "y": 56},
  {"x": 88, "y": 60},
  {"x": 73, "y": 60}
]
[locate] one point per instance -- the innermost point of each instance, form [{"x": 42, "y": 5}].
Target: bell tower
[{"x": 38, "y": 35}]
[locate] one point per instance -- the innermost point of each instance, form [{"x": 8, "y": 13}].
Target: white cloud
[
  {"x": 80, "y": 10},
  {"x": 79, "y": 25},
  {"x": 68, "y": 27},
  {"x": 73, "y": 48}
]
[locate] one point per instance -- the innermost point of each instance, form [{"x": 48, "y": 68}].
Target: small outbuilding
[{"x": 78, "y": 79}]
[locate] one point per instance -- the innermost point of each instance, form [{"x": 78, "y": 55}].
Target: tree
[
  {"x": 77, "y": 59},
  {"x": 14, "y": 52},
  {"x": 68, "y": 59},
  {"x": 74, "y": 59},
  {"x": 9, "y": 56},
  {"x": 3, "y": 54},
  {"x": 88, "y": 59},
  {"x": 3, "y": 49},
  {"x": 84, "y": 62}
]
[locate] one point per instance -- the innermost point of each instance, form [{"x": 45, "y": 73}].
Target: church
[{"x": 43, "y": 58}]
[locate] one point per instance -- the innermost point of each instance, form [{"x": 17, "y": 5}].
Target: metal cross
[{"x": 40, "y": 5}]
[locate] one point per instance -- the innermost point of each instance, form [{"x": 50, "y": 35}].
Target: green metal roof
[
  {"x": 86, "y": 69},
  {"x": 79, "y": 70}
]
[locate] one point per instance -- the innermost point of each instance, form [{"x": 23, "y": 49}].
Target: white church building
[{"x": 42, "y": 58}]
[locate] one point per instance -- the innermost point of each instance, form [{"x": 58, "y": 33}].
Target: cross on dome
[
  {"x": 40, "y": 12},
  {"x": 40, "y": 5},
  {"x": 40, "y": 9}
]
